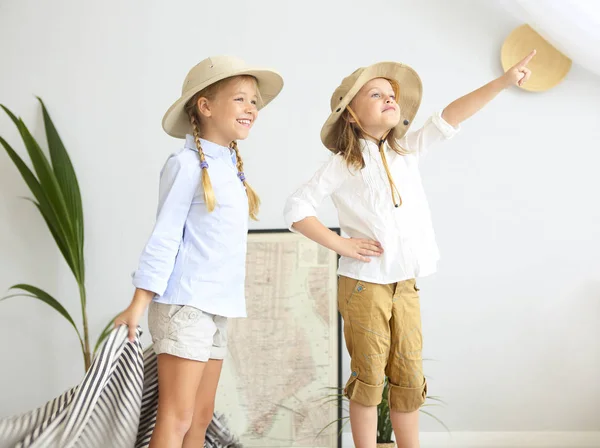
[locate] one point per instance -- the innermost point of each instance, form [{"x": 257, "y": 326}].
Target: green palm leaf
[
  {"x": 109, "y": 327},
  {"x": 39, "y": 294},
  {"x": 41, "y": 165},
  {"x": 341, "y": 419},
  {"x": 47, "y": 192},
  {"x": 49, "y": 183},
  {"x": 42, "y": 202},
  {"x": 438, "y": 399},
  {"x": 436, "y": 418},
  {"x": 67, "y": 180},
  {"x": 64, "y": 250},
  {"x": 57, "y": 196}
]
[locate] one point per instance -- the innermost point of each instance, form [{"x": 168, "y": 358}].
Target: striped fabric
[{"x": 113, "y": 406}]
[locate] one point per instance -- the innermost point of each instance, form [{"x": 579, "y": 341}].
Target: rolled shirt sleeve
[{"x": 434, "y": 130}]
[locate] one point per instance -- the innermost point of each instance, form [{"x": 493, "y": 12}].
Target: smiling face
[
  {"x": 376, "y": 108},
  {"x": 228, "y": 112}
]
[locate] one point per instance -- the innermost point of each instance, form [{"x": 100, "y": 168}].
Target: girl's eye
[
  {"x": 375, "y": 95},
  {"x": 254, "y": 102},
  {"x": 239, "y": 99},
  {"x": 393, "y": 97}
]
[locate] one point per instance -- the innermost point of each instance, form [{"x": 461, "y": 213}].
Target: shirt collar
[
  {"x": 366, "y": 144},
  {"x": 209, "y": 148}
]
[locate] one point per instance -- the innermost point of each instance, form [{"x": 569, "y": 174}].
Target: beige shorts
[{"x": 187, "y": 332}]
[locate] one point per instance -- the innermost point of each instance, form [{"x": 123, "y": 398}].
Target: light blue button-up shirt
[{"x": 194, "y": 257}]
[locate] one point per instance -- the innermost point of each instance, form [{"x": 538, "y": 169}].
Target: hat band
[{"x": 220, "y": 74}]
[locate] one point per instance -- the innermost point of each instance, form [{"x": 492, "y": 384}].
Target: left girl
[{"x": 192, "y": 271}]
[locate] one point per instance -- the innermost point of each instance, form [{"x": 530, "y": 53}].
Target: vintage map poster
[{"x": 285, "y": 355}]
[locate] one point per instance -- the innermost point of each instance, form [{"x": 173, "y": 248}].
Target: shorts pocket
[
  {"x": 347, "y": 289},
  {"x": 359, "y": 288},
  {"x": 183, "y": 316}
]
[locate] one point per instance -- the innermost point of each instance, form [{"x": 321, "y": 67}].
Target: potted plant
[
  {"x": 384, "y": 423},
  {"x": 56, "y": 195}
]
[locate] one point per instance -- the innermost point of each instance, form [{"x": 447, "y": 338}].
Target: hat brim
[
  {"x": 549, "y": 66},
  {"x": 411, "y": 93},
  {"x": 176, "y": 122}
]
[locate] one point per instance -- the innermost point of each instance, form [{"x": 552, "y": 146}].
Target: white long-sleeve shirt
[{"x": 365, "y": 209}]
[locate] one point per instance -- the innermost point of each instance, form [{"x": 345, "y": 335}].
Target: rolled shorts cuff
[
  {"x": 175, "y": 349},
  {"x": 407, "y": 399},
  {"x": 363, "y": 393},
  {"x": 218, "y": 353}
]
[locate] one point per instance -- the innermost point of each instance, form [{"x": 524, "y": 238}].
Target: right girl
[{"x": 373, "y": 179}]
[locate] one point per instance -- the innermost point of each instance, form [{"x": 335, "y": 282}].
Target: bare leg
[
  {"x": 363, "y": 420},
  {"x": 406, "y": 428},
  {"x": 205, "y": 404},
  {"x": 178, "y": 381}
]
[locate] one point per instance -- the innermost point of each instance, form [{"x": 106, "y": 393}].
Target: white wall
[{"x": 511, "y": 317}]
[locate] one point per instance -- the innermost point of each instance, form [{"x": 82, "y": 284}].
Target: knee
[
  {"x": 179, "y": 421},
  {"x": 203, "y": 416}
]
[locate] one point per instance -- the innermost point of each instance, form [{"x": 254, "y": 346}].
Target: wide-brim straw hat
[
  {"x": 410, "y": 95},
  {"x": 549, "y": 66},
  {"x": 176, "y": 121}
]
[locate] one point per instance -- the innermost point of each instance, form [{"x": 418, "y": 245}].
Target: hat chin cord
[{"x": 381, "y": 144}]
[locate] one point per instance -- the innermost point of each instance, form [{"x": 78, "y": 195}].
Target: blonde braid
[
  {"x": 253, "y": 199},
  {"x": 209, "y": 194}
]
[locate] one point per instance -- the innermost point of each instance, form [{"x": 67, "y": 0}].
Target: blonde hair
[
  {"x": 349, "y": 146},
  {"x": 192, "y": 110}
]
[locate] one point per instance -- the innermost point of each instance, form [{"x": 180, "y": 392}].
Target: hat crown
[
  {"x": 210, "y": 68},
  {"x": 345, "y": 87}
]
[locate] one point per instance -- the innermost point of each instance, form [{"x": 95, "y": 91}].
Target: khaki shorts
[
  {"x": 382, "y": 329},
  {"x": 187, "y": 332}
]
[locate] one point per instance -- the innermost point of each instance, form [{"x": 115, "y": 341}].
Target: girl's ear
[
  {"x": 203, "y": 106},
  {"x": 349, "y": 118}
]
